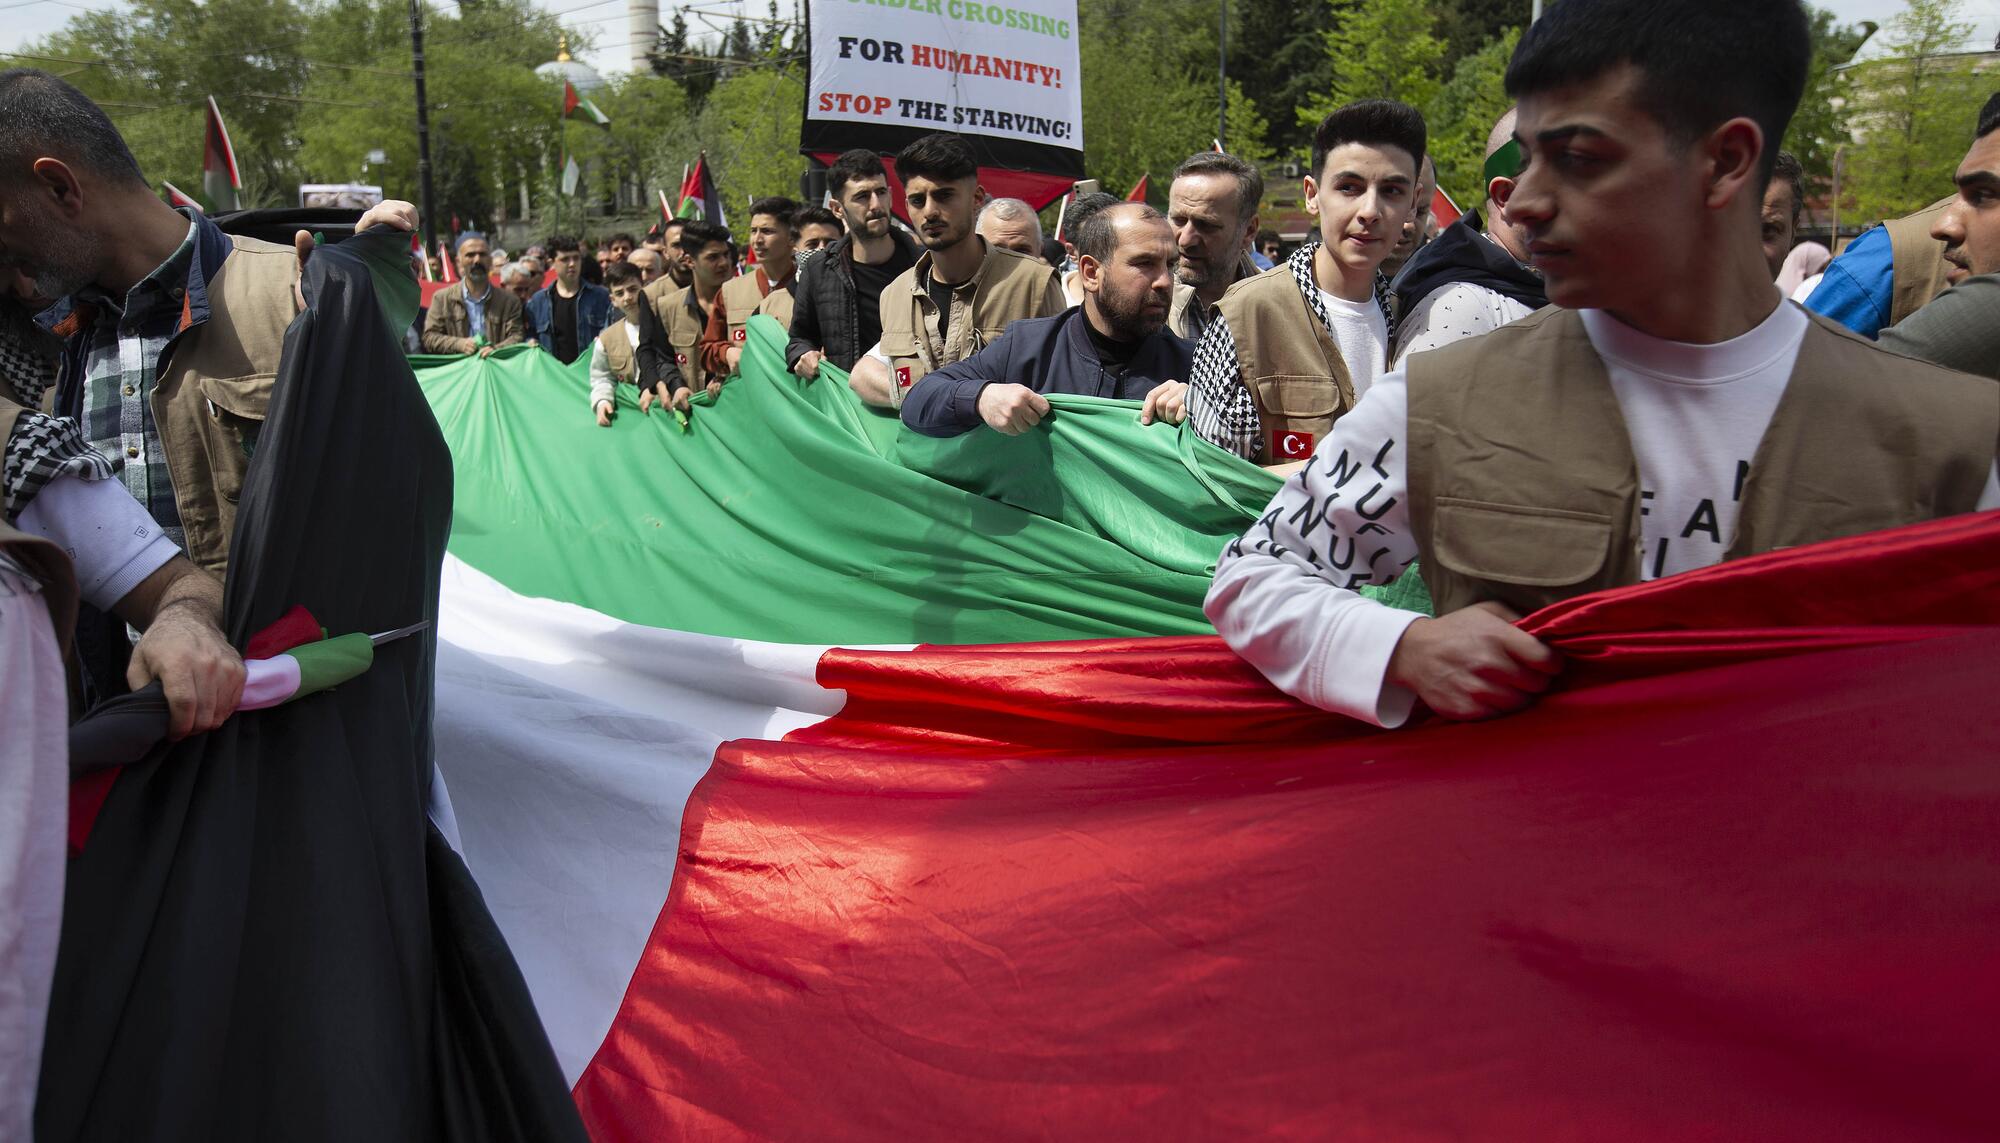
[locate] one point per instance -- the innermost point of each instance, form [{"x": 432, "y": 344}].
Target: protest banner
[{"x": 1006, "y": 76}]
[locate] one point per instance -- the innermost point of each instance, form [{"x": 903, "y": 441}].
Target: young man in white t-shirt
[
  {"x": 1264, "y": 384},
  {"x": 1647, "y": 127}
]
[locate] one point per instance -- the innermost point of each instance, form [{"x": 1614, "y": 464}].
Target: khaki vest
[
  {"x": 40, "y": 558},
  {"x": 1524, "y": 489},
  {"x": 214, "y": 387},
  {"x": 778, "y": 304},
  {"x": 1917, "y": 260},
  {"x": 1290, "y": 363},
  {"x": 742, "y": 298},
  {"x": 1008, "y": 286},
  {"x": 619, "y": 352},
  {"x": 684, "y": 331}
]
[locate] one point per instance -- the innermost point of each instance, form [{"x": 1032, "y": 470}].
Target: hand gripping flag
[
  {"x": 220, "y": 180},
  {"x": 574, "y": 101}
]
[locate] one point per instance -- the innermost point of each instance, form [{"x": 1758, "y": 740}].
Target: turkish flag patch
[
  {"x": 741, "y": 334},
  {"x": 680, "y": 359},
  {"x": 1291, "y": 446},
  {"x": 902, "y": 377}
]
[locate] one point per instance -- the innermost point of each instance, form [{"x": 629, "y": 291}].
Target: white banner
[{"x": 1001, "y": 70}]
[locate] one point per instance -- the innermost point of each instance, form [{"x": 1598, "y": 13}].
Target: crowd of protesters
[{"x": 1601, "y": 378}]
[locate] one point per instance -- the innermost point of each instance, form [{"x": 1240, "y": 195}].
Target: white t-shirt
[
  {"x": 1284, "y": 595},
  {"x": 1362, "y": 334}
]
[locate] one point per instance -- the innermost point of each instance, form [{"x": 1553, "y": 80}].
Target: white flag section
[
  {"x": 569, "y": 742},
  {"x": 1007, "y": 71}
]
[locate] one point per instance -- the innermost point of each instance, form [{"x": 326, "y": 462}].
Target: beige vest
[
  {"x": 1917, "y": 260},
  {"x": 1008, "y": 286},
  {"x": 778, "y": 304},
  {"x": 684, "y": 331},
  {"x": 619, "y": 352},
  {"x": 40, "y": 558},
  {"x": 1524, "y": 489},
  {"x": 1289, "y": 362},
  {"x": 741, "y": 296},
  {"x": 214, "y": 387}
]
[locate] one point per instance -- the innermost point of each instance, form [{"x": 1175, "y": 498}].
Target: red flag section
[
  {"x": 220, "y": 180},
  {"x": 1733, "y": 879},
  {"x": 1138, "y": 190},
  {"x": 1443, "y": 209}
]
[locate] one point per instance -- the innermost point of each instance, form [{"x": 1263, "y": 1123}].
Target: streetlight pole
[
  {"x": 425, "y": 214},
  {"x": 1222, "y": 85}
]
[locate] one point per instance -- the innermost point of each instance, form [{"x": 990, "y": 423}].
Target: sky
[{"x": 23, "y": 21}]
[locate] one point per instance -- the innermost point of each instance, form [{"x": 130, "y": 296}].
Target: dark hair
[
  {"x": 817, "y": 216},
  {"x": 1371, "y": 123},
  {"x": 1989, "y": 118},
  {"x": 1098, "y": 235},
  {"x": 1700, "y": 62},
  {"x": 621, "y": 236},
  {"x": 669, "y": 224},
  {"x": 41, "y": 115},
  {"x": 619, "y": 273},
  {"x": 940, "y": 156},
  {"x": 1249, "y": 180},
  {"x": 1053, "y": 252},
  {"x": 562, "y": 244},
  {"x": 1785, "y": 168},
  {"x": 779, "y": 207},
  {"x": 1267, "y": 235},
  {"x": 852, "y": 167},
  {"x": 697, "y": 235},
  {"x": 1081, "y": 210}
]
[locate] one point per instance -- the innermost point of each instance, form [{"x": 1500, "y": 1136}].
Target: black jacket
[
  {"x": 1462, "y": 254},
  {"x": 1048, "y": 355},
  {"x": 823, "y": 304}
]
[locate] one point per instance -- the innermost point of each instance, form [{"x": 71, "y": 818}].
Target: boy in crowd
[
  {"x": 773, "y": 235},
  {"x": 684, "y": 312},
  {"x": 1290, "y": 351},
  {"x": 1674, "y": 412},
  {"x": 614, "y": 358}
]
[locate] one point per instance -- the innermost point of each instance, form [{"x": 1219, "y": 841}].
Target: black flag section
[{"x": 265, "y": 937}]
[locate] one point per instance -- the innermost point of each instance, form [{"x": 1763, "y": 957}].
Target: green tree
[
  {"x": 1915, "y": 108},
  {"x": 1148, "y": 101},
  {"x": 750, "y": 128},
  {"x": 1278, "y": 57},
  {"x": 1462, "y": 114},
  {"x": 153, "y": 66},
  {"x": 1467, "y": 26},
  {"x": 1820, "y": 126},
  {"x": 1380, "y": 49}
]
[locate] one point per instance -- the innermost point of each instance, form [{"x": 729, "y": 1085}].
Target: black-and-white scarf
[{"x": 41, "y": 447}]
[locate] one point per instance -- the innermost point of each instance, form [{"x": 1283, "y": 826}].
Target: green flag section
[{"x": 788, "y": 511}]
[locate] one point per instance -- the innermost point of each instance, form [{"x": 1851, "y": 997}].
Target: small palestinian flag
[
  {"x": 698, "y": 196},
  {"x": 449, "y": 263},
  {"x": 294, "y": 657},
  {"x": 573, "y": 102},
  {"x": 177, "y": 198},
  {"x": 220, "y": 180}
]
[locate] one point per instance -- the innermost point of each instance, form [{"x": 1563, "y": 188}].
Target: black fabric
[
  {"x": 562, "y": 325},
  {"x": 940, "y": 293},
  {"x": 1114, "y": 355},
  {"x": 655, "y": 354},
  {"x": 826, "y": 311},
  {"x": 119, "y": 730},
  {"x": 1462, "y": 254},
  {"x": 263, "y": 938},
  {"x": 869, "y": 283}
]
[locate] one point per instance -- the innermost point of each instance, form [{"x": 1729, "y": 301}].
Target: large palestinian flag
[{"x": 832, "y": 782}]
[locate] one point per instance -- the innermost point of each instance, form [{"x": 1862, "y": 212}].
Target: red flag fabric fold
[{"x": 1733, "y": 879}]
